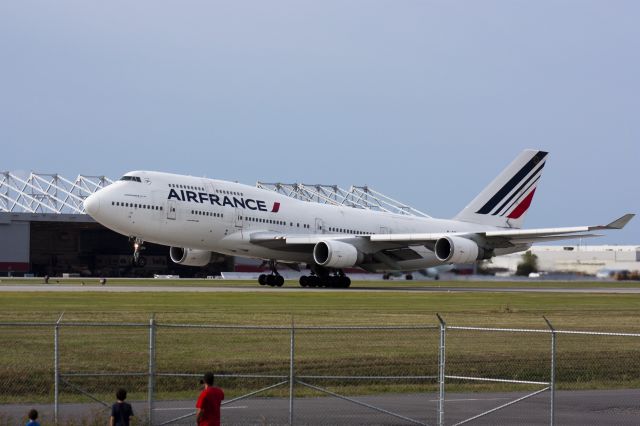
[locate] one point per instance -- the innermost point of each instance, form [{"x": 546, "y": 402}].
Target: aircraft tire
[
  {"x": 304, "y": 281},
  {"x": 345, "y": 281},
  {"x": 408, "y": 277},
  {"x": 262, "y": 279},
  {"x": 314, "y": 281},
  {"x": 332, "y": 281},
  {"x": 278, "y": 280}
]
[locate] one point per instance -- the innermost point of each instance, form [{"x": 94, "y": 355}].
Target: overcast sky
[{"x": 424, "y": 101}]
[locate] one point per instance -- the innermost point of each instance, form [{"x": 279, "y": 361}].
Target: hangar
[{"x": 44, "y": 230}]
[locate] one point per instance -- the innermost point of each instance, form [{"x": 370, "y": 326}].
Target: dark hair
[
  {"x": 208, "y": 378},
  {"x": 121, "y": 395},
  {"x": 33, "y": 414}
]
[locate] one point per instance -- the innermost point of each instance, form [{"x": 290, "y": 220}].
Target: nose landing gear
[{"x": 138, "y": 246}]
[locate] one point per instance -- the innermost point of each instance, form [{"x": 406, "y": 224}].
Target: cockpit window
[{"x": 131, "y": 178}]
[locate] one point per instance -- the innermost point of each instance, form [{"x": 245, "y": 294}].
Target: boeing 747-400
[{"x": 196, "y": 216}]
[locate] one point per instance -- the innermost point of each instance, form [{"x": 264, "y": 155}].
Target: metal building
[{"x": 45, "y": 231}]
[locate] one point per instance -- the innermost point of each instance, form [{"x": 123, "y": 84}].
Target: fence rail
[{"x": 297, "y": 366}]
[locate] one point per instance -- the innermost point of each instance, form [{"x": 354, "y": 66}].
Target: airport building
[
  {"x": 591, "y": 260},
  {"x": 45, "y": 231}
]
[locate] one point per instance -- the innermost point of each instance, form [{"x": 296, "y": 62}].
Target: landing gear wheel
[
  {"x": 385, "y": 276},
  {"x": 408, "y": 277},
  {"x": 304, "y": 281},
  {"x": 262, "y": 279},
  {"x": 344, "y": 282},
  {"x": 278, "y": 280},
  {"x": 331, "y": 281}
]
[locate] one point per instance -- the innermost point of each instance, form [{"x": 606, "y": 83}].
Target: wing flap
[{"x": 410, "y": 238}]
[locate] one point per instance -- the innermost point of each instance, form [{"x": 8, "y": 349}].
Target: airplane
[{"x": 197, "y": 216}]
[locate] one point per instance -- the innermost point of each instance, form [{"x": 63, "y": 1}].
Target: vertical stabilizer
[{"x": 505, "y": 201}]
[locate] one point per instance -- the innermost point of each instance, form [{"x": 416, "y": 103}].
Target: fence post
[
  {"x": 56, "y": 369},
  {"x": 291, "y": 370},
  {"x": 441, "y": 369},
  {"x": 552, "y": 385},
  {"x": 152, "y": 367}
]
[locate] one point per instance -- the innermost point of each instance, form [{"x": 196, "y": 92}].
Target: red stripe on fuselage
[
  {"x": 522, "y": 207},
  {"x": 276, "y": 207}
]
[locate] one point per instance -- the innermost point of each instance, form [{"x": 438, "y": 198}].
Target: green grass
[
  {"x": 584, "y": 362},
  {"x": 566, "y": 310},
  {"x": 399, "y": 283}
]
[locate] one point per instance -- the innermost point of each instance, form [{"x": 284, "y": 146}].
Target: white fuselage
[{"x": 221, "y": 216}]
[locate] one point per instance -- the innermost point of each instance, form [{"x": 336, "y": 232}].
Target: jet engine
[
  {"x": 457, "y": 250},
  {"x": 189, "y": 257},
  {"x": 336, "y": 254}
]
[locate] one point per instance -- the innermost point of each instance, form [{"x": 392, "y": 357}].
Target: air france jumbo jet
[{"x": 197, "y": 216}]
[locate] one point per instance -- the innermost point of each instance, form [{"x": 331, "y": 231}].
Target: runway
[
  {"x": 55, "y": 288},
  {"x": 601, "y": 407}
]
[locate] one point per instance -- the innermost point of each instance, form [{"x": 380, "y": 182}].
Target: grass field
[
  {"x": 396, "y": 283},
  {"x": 583, "y": 361},
  {"x": 566, "y": 310}
]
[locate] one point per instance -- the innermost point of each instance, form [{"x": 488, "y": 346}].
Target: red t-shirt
[{"x": 209, "y": 402}]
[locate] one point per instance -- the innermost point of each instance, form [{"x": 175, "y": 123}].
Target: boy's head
[
  {"x": 208, "y": 378},
  {"x": 33, "y": 414},
  {"x": 121, "y": 395}
]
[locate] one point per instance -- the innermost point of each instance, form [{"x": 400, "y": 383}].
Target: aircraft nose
[{"x": 92, "y": 205}]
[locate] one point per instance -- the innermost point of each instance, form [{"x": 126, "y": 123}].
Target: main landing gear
[
  {"x": 138, "y": 246},
  {"x": 274, "y": 279},
  {"x": 324, "y": 279}
]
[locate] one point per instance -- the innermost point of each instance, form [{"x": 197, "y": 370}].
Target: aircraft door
[
  {"x": 239, "y": 218},
  {"x": 319, "y": 226},
  {"x": 384, "y": 230},
  {"x": 171, "y": 209}
]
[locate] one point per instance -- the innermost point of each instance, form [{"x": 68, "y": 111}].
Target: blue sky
[{"x": 424, "y": 101}]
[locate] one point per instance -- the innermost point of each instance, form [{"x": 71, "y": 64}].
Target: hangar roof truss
[
  {"x": 47, "y": 193},
  {"x": 53, "y": 193},
  {"x": 361, "y": 197}
]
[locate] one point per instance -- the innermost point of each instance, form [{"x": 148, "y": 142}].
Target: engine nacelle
[
  {"x": 189, "y": 257},
  {"x": 336, "y": 254},
  {"x": 457, "y": 250}
]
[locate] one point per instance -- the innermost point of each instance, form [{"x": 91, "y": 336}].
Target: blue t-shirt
[{"x": 33, "y": 423}]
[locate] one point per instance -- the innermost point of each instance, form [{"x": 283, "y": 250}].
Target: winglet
[{"x": 621, "y": 222}]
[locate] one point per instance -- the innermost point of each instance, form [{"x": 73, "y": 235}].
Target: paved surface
[
  {"x": 617, "y": 407},
  {"x": 54, "y": 288}
]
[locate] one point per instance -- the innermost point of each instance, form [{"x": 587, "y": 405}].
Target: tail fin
[{"x": 505, "y": 201}]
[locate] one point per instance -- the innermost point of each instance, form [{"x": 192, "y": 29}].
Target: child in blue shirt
[{"x": 33, "y": 416}]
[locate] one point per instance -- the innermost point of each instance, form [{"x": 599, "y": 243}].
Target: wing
[
  {"x": 490, "y": 239},
  {"x": 508, "y": 237}
]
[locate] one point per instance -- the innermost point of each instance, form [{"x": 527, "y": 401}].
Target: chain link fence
[{"x": 439, "y": 374}]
